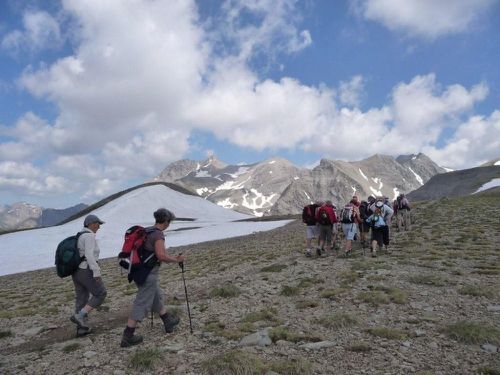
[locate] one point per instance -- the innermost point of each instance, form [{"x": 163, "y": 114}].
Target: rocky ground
[{"x": 259, "y": 306}]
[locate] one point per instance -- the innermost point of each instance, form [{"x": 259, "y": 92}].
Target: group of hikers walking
[
  {"x": 90, "y": 289},
  {"x": 356, "y": 220}
]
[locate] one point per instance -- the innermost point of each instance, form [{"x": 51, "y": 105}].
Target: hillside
[
  {"x": 432, "y": 306},
  {"x": 456, "y": 183}
]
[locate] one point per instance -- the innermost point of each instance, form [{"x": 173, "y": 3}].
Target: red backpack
[{"x": 134, "y": 240}]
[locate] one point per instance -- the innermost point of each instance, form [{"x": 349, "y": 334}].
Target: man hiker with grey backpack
[
  {"x": 146, "y": 276},
  {"x": 89, "y": 287}
]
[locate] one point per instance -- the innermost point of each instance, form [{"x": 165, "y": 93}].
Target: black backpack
[
  {"x": 67, "y": 256},
  {"x": 347, "y": 214},
  {"x": 364, "y": 210},
  {"x": 308, "y": 214}
]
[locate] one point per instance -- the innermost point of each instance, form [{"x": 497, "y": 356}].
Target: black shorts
[{"x": 381, "y": 235}]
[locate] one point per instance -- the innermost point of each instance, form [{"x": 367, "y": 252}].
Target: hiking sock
[{"x": 128, "y": 331}]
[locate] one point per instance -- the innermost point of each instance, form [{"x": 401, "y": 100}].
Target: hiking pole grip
[{"x": 181, "y": 264}]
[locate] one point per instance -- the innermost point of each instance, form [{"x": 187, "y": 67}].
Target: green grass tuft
[
  {"x": 290, "y": 291},
  {"x": 473, "y": 333},
  {"x": 226, "y": 291},
  {"x": 144, "y": 359},
  {"x": 4, "y": 334},
  {"x": 388, "y": 333},
  {"x": 234, "y": 362},
  {"x": 71, "y": 347},
  {"x": 339, "y": 320},
  {"x": 273, "y": 268}
]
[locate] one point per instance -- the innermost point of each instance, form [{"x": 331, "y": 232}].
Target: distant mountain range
[
  {"x": 24, "y": 215},
  {"x": 276, "y": 186}
]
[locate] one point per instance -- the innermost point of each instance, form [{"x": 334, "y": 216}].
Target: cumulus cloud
[
  {"x": 274, "y": 30},
  {"x": 27, "y": 178},
  {"x": 40, "y": 31},
  {"x": 479, "y": 137},
  {"x": 127, "y": 106},
  {"x": 424, "y": 18},
  {"x": 350, "y": 92}
]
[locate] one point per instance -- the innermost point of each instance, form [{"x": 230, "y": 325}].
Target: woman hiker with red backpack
[{"x": 149, "y": 295}]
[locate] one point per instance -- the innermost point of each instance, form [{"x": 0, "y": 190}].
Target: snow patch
[
  {"x": 203, "y": 190},
  {"x": 493, "y": 183},
  {"x": 239, "y": 172},
  {"x": 270, "y": 172},
  {"x": 419, "y": 179},
  {"x": 202, "y": 174},
  {"x": 396, "y": 192},
  {"x": 134, "y": 208},
  {"x": 362, "y": 174},
  {"x": 296, "y": 178},
  {"x": 353, "y": 190},
  {"x": 257, "y": 202},
  {"x": 379, "y": 182},
  {"x": 497, "y": 162},
  {"x": 232, "y": 185},
  {"x": 448, "y": 169},
  {"x": 375, "y": 192},
  {"x": 307, "y": 195},
  {"x": 226, "y": 203},
  {"x": 413, "y": 158},
  {"x": 272, "y": 162}
]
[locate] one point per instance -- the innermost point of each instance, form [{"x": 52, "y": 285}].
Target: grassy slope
[{"x": 431, "y": 295}]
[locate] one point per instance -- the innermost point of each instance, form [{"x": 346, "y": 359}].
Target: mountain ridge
[{"x": 275, "y": 186}]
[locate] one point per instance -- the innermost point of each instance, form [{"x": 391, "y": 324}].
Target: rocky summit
[
  {"x": 276, "y": 186},
  {"x": 259, "y": 306}
]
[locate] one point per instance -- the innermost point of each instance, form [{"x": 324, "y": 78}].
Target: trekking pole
[{"x": 181, "y": 265}]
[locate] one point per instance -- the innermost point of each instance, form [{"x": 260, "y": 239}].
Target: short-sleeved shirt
[{"x": 154, "y": 234}]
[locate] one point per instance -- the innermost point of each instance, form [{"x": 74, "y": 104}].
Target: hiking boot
[
  {"x": 308, "y": 253},
  {"x": 318, "y": 251},
  {"x": 130, "y": 340},
  {"x": 170, "y": 321},
  {"x": 79, "y": 321},
  {"x": 83, "y": 331},
  {"x": 374, "y": 254}
]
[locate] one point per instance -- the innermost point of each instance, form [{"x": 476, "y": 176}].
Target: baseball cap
[
  {"x": 91, "y": 219},
  {"x": 379, "y": 204}
]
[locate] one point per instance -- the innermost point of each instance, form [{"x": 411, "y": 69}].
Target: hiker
[
  {"x": 325, "y": 216},
  {"x": 364, "y": 227},
  {"x": 87, "y": 278},
  {"x": 149, "y": 295},
  {"x": 379, "y": 226},
  {"x": 403, "y": 212},
  {"x": 350, "y": 218},
  {"x": 371, "y": 203},
  {"x": 309, "y": 218}
]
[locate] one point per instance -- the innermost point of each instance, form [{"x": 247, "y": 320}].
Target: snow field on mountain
[{"x": 35, "y": 249}]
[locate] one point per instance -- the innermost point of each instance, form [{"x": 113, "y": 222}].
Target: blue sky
[{"x": 98, "y": 96}]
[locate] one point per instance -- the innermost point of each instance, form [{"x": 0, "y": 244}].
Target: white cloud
[
  {"x": 476, "y": 141},
  {"x": 127, "y": 105},
  {"x": 274, "y": 30},
  {"x": 424, "y": 18},
  {"x": 25, "y": 178},
  {"x": 40, "y": 31},
  {"x": 350, "y": 92}
]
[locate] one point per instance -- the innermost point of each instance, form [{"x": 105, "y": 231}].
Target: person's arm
[
  {"x": 89, "y": 245},
  {"x": 162, "y": 256}
]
